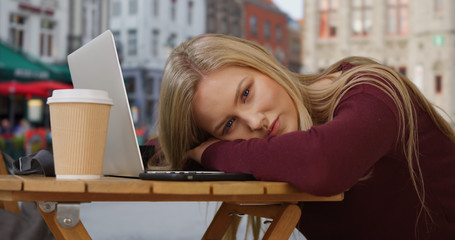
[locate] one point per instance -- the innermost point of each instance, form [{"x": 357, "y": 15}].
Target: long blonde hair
[
  {"x": 194, "y": 59},
  {"x": 188, "y": 64},
  {"x": 405, "y": 96}
]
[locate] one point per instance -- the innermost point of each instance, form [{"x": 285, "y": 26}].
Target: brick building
[
  {"x": 225, "y": 17},
  {"x": 257, "y": 20},
  {"x": 267, "y": 25}
]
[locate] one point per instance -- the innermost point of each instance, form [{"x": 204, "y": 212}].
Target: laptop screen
[{"x": 96, "y": 66}]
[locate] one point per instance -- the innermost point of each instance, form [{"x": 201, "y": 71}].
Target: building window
[
  {"x": 267, "y": 29},
  {"x": 328, "y": 16},
  {"x": 295, "y": 47},
  {"x": 132, "y": 6},
  {"x": 116, "y": 9},
  {"x": 279, "y": 33},
  {"x": 361, "y": 17},
  {"x": 16, "y": 32},
  {"x": 92, "y": 28},
  {"x": 173, "y": 9},
  {"x": 45, "y": 44},
  {"x": 438, "y": 84},
  {"x": 279, "y": 55},
  {"x": 118, "y": 45},
  {"x": 155, "y": 39},
  {"x": 116, "y": 35},
  {"x": 171, "y": 41},
  {"x": 236, "y": 26},
  {"x": 397, "y": 17},
  {"x": 46, "y": 37},
  {"x": 132, "y": 42},
  {"x": 149, "y": 110},
  {"x": 224, "y": 25},
  {"x": 211, "y": 17},
  {"x": 156, "y": 8},
  {"x": 438, "y": 6},
  {"x": 253, "y": 25},
  {"x": 148, "y": 85},
  {"x": 130, "y": 85},
  {"x": 190, "y": 12}
]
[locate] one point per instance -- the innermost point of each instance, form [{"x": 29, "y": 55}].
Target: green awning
[
  {"x": 16, "y": 65},
  {"x": 58, "y": 72}
]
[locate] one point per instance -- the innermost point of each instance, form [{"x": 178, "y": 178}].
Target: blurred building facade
[
  {"x": 51, "y": 29},
  {"x": 35, "y": 38},
  {"x": 225, "y": 17},
  {"x": 415, "y": 37},
  {"x": 145, "y": 32},
  {"x": 266, "y": 24},
  {"x": 294, "y": 45},
  {"x": 86, "y": 20},
  {"x": 260, "y": 21},
  {"x": 38, "y": 27}
]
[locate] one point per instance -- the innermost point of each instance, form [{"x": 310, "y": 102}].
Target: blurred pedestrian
[
  {"x": 5, "y": 127},
  {"x": 21, "y": 128}
]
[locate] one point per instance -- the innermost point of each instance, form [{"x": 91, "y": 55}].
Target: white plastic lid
[{"x": 80, "y": 95}]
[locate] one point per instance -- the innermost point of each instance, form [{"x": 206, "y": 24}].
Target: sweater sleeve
[{"x": 324, "y": 160}]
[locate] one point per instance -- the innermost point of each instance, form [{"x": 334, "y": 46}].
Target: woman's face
[{"x": 242, "y": 103}]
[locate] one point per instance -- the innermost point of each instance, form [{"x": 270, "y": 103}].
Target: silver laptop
[{"x": 96, "y": 66}]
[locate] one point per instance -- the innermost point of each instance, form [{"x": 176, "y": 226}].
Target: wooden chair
[{"x": 11, "y": 206}]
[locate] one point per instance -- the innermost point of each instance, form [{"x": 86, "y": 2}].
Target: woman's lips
[{"x": 274, "y": 128}]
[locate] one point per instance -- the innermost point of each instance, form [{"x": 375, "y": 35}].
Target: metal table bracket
[
  {"x": 68, "y": 214},
  {"x": 47, "y": 207}
]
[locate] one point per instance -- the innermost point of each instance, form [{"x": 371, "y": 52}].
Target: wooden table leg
[
  {"x": 284, "y": 223},
  {"x": 12, "y": 206},
  {"x": 220, "y": 223},
  {"x": 285, "y": 218},
  {"x": 61, "y": 233}
]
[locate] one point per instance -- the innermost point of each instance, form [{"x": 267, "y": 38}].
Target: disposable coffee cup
[{"x": 79, "y": 120}]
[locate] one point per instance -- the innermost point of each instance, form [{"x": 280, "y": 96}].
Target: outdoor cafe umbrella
[
  {"x": 18, "y": 69},
  {"x": 16, "y": 88},
  {"x": 39, "y": 89},
  {"x": 12, "y": 88},
  {"x": 49, "y": 85}
]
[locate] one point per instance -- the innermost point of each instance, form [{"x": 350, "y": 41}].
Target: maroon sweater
[{"x": 359, "y": 143}]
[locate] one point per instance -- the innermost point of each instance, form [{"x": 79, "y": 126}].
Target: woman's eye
[
  {"x": 245, "y": 93},
  {"x": 228, "y": 125}
]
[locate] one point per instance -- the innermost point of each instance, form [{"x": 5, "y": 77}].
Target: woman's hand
[{"x": 196, "y": 153}]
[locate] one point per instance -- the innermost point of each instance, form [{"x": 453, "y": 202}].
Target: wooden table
[{"x": 59, "y": 200}]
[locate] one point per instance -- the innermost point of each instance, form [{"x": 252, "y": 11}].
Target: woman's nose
[{"x": 256, "y": 121}]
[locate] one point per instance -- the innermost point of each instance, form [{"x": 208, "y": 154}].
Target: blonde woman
[{"x": 358, "y": 127}]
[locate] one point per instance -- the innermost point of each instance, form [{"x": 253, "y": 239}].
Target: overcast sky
[{"x": 292, "y": 7}]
